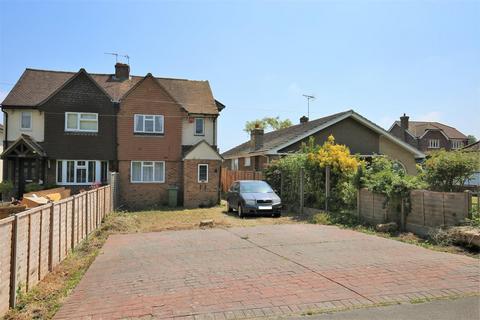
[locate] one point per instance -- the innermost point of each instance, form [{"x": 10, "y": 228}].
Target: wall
[
  {"x": 37, "y": 240},
  {"x": 14, "y": 131},
  {"x": 429, "y": 209},
  {"x": 423, "y": 143},
  {"x": 199, "y": 194},
  {"x": 349, "y": 132},
  {"x": 188, "y": 132},
  {"x": 394, "y": 151},
  {"x": 401, "y": 134},
  {"x": 80, "y": 95}
]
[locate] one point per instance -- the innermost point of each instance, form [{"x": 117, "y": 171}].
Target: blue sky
[{"x": 380, "y": 58}]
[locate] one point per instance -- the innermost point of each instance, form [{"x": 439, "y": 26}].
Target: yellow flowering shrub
[{"x": 336, "y": 156}]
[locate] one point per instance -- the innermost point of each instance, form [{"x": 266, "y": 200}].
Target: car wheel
[
  {"x": 229, "y": 209},
  {"x": 240, "y": 211}
]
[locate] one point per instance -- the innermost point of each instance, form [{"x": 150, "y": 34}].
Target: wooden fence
[
  {"x": 428, "y": 209},
  {"x": 33, "y": 242},
  {"x": 227, "y": 177}
]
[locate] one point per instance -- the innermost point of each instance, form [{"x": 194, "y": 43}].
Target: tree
[
  {"x": 448, "y": 170},
  {"x": 268, "y": 122},
  {"x": 471, "y": 139}
]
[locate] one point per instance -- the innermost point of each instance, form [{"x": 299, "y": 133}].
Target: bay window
[{"x": 81, "y": 172}]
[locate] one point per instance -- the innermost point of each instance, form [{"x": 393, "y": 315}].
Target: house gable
[
  {"x": 80, "y": 94},
  {"x": 202, "y": 151}
]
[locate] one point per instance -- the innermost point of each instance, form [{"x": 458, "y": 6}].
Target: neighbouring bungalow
[{"x": 359, "y": 134}]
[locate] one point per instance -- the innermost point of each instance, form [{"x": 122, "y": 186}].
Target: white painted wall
[
  {"x": 14, "y": 118},
  {"x": 203, "y": 152},
  {"x": 188, "y": 132}
]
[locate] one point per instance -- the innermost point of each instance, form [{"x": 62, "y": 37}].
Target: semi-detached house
[{"x": 72, "y": 128}]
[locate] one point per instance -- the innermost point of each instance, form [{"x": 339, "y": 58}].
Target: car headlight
[
  {"x": 277, "y": 201},
  {"x": 250, "y": 202}
]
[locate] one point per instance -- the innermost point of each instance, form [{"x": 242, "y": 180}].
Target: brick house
[
  {"x": 428, "y": 136},
  {"x": 71, "y": 129},
  {"x": 362, "y": 136}
]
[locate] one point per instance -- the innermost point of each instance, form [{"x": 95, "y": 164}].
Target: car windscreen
[{"x": 255, "y": 187}]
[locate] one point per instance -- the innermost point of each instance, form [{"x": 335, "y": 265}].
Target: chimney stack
[
  {"x": 404, "y": 121},
  {"x": 303, "y": 119},
  {"x": 256, "y": 138},
  {"x": 122, "y": 71}
]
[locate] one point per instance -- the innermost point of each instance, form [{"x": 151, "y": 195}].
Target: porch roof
[{"x": 24, "y": 147}]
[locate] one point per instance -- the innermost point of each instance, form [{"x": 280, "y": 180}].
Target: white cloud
[{"x": 429, "y": 116}]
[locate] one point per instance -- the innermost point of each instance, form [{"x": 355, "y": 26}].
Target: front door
[{"x": 27, "y": 173}]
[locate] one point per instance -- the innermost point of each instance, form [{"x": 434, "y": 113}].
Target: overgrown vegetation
[
  {"x": 314, "y": 160},
  {"x": 448, "y": 170},
  {"x": 273, "y": 123}
]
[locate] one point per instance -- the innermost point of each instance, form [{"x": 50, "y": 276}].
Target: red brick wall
[{"x": 201, "y": 194}]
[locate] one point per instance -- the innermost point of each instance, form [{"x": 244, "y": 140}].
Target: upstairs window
[
  {"x": 26, "y": 120},
  {"x": 457, "y": 144},
  {"x": 234, "y": 164},
  {"x": 199, "y": 126},
  {"x": 248, "y": 162},
  {"x": 434, "y": 143},
  {"x": 81, "y": 122},
  {"x": 203, "y": 173},
  {"x": 148, "y": 123}
]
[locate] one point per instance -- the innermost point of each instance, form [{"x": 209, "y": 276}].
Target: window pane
[
  {"x": 72, "y": 121},
  {"x": 91, "y": 171},
  {"x": 70, "y": 171},
  {"x": 87, "y": 116},
  {"x": 59, "y": 171},
  {"x": 199, "y": 126},
  {"x": 81, "y": 175},
  {"x": 148, "y": 125},
  {"x": 147, "y": 173},
  {"x": 26, "y": 120},
  {"x": 136, "y": 171},
  {"x": 88, "y": 125},
  {"x": 203, "y": 172},
  {"x": 139, "y": 123},
  {"x": 159, "y": 171},
  {"x": 158, "y": 124}
]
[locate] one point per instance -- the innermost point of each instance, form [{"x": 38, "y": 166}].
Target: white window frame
[
  {"x": 141, "y": 171},
  {"x": 247, "y": 163},
  {"x": 152, "y": 116},
  {"x": 198, "y": 173},
  {"x": 98, "y": 172},
  {"x": 434, "y": 143},
  {"x": 79, "y": 119},
  {"x": 31, "y": 120},
  {"x": 203, "y": 127},
  {"x": 457, "y": 144}
]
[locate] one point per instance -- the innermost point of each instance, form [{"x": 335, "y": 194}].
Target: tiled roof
[
  {"x": 34, "y": 86},
  {"x": 472, "y": 146},
  {"x": 277, "y": 138},
  {"x": 418, "y": 128}
]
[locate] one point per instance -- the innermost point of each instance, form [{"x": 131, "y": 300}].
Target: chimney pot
[
  {"x": 256, "y": 139},
  {"x": 122, "y": 71},
  {"x": 303, "y": 119}
]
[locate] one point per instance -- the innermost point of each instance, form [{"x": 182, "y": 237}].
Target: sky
[{"x": 380, "y": 58}]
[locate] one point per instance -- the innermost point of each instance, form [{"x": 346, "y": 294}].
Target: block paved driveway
[{"x": 260, "y": 271}]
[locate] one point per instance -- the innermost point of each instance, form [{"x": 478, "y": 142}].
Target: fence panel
[
  {"x": 6, "y": 234},
  {"x": 227, "y": 177},
  {"x": 35, "y": 241}
]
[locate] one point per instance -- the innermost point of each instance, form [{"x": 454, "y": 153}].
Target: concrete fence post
[
  {"x": 301, "y": 191},
  {"x": 13, "y": 264}
]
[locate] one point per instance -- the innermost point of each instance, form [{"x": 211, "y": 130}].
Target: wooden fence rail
[
  {"x": 227, "y": 177},
  {"x": 33, "y": 242}
]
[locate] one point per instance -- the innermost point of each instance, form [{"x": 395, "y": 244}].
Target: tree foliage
[
  {"x": 471, "y": 139},
  {"x": 448, "y": 170},
  {"x": 273, "y": 123}
]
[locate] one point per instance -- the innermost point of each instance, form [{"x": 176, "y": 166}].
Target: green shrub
[
  {"x": 32, "y": 187},
  {"x": 6, "y": 188}
]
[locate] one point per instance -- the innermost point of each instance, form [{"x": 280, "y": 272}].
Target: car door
[{"x": 233, "y": 195}]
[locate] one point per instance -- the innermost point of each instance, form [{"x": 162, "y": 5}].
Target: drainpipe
[
  {"x": 5, "y": 139},
  {"x": 215, "y": 132},
  {"x": 116, "y": 110}
]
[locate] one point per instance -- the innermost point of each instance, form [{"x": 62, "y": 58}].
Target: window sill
[
  {"x": 199, "y": 135},
  {"x": 81, "y": 133},
  {"x": 147, "y": 182},
  {"x": 142, "y": 134}
]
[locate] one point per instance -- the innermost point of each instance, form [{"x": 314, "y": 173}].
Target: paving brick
[{"x": 282, "y": 269}]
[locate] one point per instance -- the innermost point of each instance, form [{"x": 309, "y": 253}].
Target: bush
[
  {"x": 6, "y": 188},
  {"x": 448, "y": 170},
  {"x": 32, "y": 187}
]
